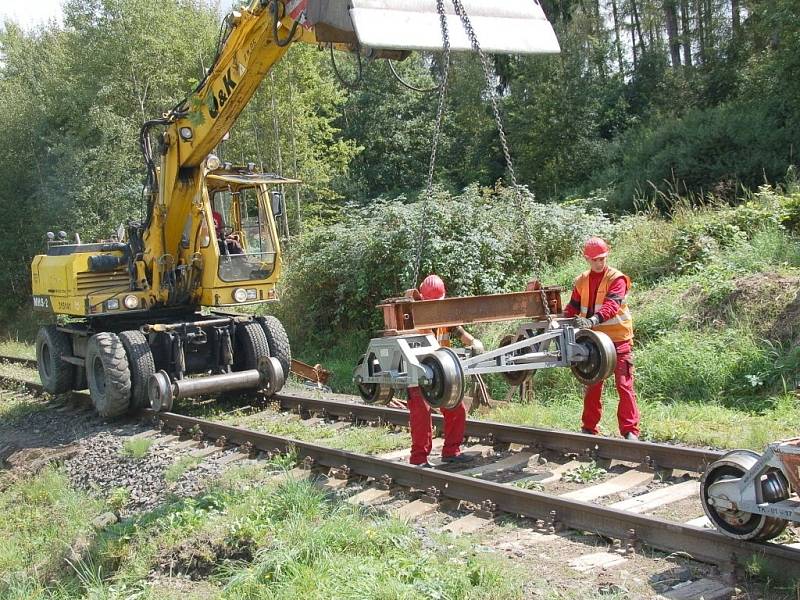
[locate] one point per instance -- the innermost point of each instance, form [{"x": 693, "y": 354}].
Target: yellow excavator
[{"x": 138, "y": 314}]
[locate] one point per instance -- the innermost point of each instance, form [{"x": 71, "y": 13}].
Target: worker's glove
[
  {"x": 584, "y": 323},
  {"x": 477, "y": 347}
]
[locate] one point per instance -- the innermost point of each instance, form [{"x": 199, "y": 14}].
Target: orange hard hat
[
  {"x": 432, "y": 288},
  {"x": 595, "y": 247}
]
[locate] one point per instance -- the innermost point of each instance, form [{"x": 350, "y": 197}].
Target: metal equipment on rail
[
  {"x": 130, "y": 320},
  {"x": 747, "y": 495},
  {"x": 408, "y": 353}
]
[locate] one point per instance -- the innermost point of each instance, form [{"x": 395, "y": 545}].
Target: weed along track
[{"x": 635, "y": 494}]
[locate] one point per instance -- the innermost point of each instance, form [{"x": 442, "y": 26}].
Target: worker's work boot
[
  {"x": 631, "y": 437},
  {"x": 458, "y": 458},
  {"x": 587, "y": 432}
]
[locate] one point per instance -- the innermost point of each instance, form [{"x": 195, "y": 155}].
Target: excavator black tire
[
  {"x": 57, "y": 375},
  {"x": 278, "y": 341},
  {"x": 108, "y": 374},
  {"x": 251, "y": 344},
  {"x": 141, "y": 365}
]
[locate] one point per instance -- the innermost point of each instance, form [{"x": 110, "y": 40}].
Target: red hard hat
[
  {"x": 595, "y": 247},
  {"x": 432, "y": 288}
]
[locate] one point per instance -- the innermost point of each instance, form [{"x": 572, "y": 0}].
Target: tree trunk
[
  {"x": 701, "y": 30},
  {"x": 736, "y": 18},
  {"x": 686, "y": 33},
  {"x": 671, "y": 20},
  {"x": 616, "y": 36},
  {"x": 638, "y": 24},
  {"x": 633, "y": 45}
]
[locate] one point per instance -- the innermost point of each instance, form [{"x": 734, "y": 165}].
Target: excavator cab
[{"x": 243, "y": 238}]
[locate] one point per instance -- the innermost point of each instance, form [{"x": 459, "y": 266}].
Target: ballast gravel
[{"x": 101, "y": 467}]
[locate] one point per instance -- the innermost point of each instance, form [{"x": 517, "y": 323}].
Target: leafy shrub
[{"x": 482, "y": 241}]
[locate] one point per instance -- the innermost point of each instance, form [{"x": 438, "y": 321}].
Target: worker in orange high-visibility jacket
[
  {"x": 599, "y": 302},
  {"x": 455, "y": 419}
]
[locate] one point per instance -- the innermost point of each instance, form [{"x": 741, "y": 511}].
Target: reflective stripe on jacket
[{"x": 620, "y": 327}]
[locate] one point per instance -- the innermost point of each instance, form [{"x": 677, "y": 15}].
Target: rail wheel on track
[{"x": 736, "y": 523}]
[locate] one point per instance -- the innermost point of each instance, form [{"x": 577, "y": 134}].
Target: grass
[
  {"x": 17, "y": 347},
  {"x": 42, "y": 520},
  {"x": 247, "y": 537},
  {"x": 584, "y": 473},
  {"x": 176, "y": 470},
  {"x": 372, "y": 440},
  {"x": 136, "y": 448},
  {"x": 15, "y": 409}
]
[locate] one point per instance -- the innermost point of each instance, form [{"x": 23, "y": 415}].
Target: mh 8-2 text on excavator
[{"x": 137, "y": 315}]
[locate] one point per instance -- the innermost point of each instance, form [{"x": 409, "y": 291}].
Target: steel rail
[
  {"x": 653, "y": 455},
  {"x": 662, "y": 456},
  {"x": 704, "y": 545}
]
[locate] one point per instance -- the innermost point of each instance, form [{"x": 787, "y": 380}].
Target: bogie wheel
[
  {"x": 374, "y": 393},
  {"x": 514, "y": 378},
  {"x": 56, "y": 374},
  {"x": 739, "y": 524},
  {"x": 108, "y": 374},
  {"x": 278, "y": 342},
  {"x": 251, "y": 345},
  {"x": 602, "y": 358},
  {"x": 141, "y": 365},
  {"x": 445, "y": 389}
]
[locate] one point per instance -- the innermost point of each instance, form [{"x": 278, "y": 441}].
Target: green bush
[
  {"x": 707, "y": 150},
  {"x": 480, "y": 242}
]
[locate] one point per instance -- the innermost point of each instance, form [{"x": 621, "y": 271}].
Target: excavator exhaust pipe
[{"x": 163, "y": 392}]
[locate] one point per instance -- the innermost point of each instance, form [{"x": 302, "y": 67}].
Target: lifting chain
[
  {"x": 489, "y": 76},
  {"x": 437, "y": 128}
]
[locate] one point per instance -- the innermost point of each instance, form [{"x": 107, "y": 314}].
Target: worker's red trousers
[
  {"x": 627, "y": 410},
  {"x": 420, "y": 423}
]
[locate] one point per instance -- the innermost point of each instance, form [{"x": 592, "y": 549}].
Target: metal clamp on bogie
[
  {"x": 268, "y": 377},
  {"x": 404, "y": 361}
]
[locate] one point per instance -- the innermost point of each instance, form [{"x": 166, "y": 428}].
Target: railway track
[{"x": 626, "y": 521}]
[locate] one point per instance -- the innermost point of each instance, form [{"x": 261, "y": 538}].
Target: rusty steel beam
[
  {"x": 405, "y": 314},
  {"x": 316, "y": 374}
]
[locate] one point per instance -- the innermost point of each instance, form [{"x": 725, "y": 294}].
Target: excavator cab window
[{"x": 244, "y": 235}]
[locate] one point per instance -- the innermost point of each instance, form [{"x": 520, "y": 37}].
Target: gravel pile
[{"x": 100, "y": 467}]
